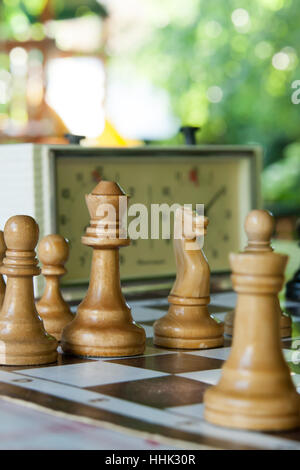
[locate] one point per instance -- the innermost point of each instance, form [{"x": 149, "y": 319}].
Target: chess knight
[{"x": 188, "y": 324}]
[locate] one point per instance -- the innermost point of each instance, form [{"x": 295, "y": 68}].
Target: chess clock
[{"x": 50, "y": 183}]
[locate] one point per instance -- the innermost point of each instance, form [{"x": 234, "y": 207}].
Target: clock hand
[{"x": 215, "y": 197}]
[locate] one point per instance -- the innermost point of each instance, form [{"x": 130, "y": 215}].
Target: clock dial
[{"x": 222, "y": 184}]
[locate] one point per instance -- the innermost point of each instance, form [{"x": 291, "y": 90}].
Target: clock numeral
[
  {"x": 228, "y": 214},
  {"x": 178, "y": 176},
  {"x": 166, "y": 191},
  {"x": 65, "y": 193},
  {"x": 97, "y": 174},
  {"x": 63, "y": 219},
  {"x": 210, "y": 177},
  {"x": 131, "y": 191},
  {"x": 82, "y": 260},
  {"x": 194, "y": 176}
]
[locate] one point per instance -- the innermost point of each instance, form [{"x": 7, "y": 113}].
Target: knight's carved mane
[{"x": 192, "y": 279}]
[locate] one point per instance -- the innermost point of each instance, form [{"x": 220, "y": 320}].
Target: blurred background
[{"x": 124, "y": 73}]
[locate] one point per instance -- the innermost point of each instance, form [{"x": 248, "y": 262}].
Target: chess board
[{"x": 158, "y": 394}]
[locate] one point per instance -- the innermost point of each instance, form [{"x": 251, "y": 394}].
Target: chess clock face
[{"x": 223, "y": 179}]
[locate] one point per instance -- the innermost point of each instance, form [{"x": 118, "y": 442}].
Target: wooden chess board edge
[{"x": 56, "y": 406}]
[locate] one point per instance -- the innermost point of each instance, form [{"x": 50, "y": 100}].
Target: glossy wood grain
[
  {"x": 103, "y": 325},
  {"x": 255, "y": 390},
  {"x": 259, "y": 227},
  {"x": 23, "y": 339}
]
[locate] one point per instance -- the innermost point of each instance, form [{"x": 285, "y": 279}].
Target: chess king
[
  {"x": 255, "y": 390},
  {"x": 103, "y": 325}
]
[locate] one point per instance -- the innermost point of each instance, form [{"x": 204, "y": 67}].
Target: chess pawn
[
  {"x": 53, "y": 252},
  {"x": 23, "y": 339},
  {"x": 188, "y": 324},
  {"x": 2, "y": 254},
  {"x": 103, "y": 325},
  {"x": 259, "y": 227}
]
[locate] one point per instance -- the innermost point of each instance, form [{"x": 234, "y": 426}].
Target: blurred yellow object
[
  {"x": 110, "y": 138},
  {"x": 56, "y": 127}
]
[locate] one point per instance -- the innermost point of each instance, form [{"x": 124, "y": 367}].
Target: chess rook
[
  {"x": 103, "y": 325},
  {"x": 259, "y": 227},
  {"x": 53, "y": 252},
  {"x": 255, "y": 390},
  {"x": 188, "y": 324},
  {"x": 2, "y": 254},
  {"x": 23, "y": 339}
]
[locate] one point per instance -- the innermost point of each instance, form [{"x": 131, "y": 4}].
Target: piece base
[
  {"x": 183, "y": 343},
  {"x": 275, "y": 411},
  {"x": 86, "y": 351},
  {"x": 250, "y": 422},
  {"x": 102, "y": 340},
  {"x": 228, "y": 330},
  {"x": 36, "y": 360},
  {"x": 56, "y": 334},
  {"x": 286, "y": 332},
  {"x": 54, "y": 326}
]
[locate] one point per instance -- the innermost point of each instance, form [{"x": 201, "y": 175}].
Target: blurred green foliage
[
  {"x": 19, "y": 17},
  {"x": 281, "y": 180},
  {"x": 228, "y": 66}
]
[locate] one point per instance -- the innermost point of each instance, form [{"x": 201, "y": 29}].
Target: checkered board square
[{"x": 160, "y": 392}]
